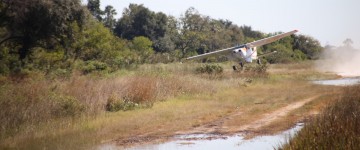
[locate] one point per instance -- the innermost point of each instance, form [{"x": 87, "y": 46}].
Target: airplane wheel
[
  {"x": 259, "y": 62},
  {"x": 234, "y": 68},
  {"x": 241, "y": 64}
]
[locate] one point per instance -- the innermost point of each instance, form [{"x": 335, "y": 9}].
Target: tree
[
  {"x": 138, "y": 20},
  {"x": 166, "y": 44},
  {"x": 308, "y": 45},
  {"x": 248, "y": 32},
  {"x": 198, "y": 34},
  {"x": 143, "y": 48},
  {"x": 283, "y": 54},
  {"x": 192, "y": 28},
  {"x": 40, "y": 23},
  {"x": 3, "y": 17},
  {"x": 109, "y": 20},
  {"x": 226, "y": 23},
  {"x": 95, "y": 43},
  {"x": 94, "y": 8}
]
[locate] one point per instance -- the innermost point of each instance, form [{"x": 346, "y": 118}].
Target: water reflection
[{"x": 215, "y": 142}]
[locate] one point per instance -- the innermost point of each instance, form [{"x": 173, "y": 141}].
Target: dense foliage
[{"x": 62, "y": 35}]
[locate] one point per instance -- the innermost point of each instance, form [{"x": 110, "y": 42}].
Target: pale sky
[{"x": 329, "y": 21}]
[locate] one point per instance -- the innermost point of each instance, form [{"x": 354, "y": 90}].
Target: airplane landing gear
[
  {"x": 258, "y": 61},
  {"x": 234, "y": 68},
  {"x": 241, "y": 64}
]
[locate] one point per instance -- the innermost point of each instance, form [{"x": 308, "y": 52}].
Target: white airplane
[{"x": 246, "y": 51}]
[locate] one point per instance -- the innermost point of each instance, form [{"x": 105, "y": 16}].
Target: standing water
[
  {"x": 215, "y": 142},
  {"x": 340, "y": 82}
]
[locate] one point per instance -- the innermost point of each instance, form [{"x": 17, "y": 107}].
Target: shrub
[
  {"x": 3, "y": 69},
  {"x": 114, "y": 104},
  {"x": 139, "y": 92},
  {"x": 59, "y": 74},
  {"x": 91, "y": 66},
  {"x": 253, "y": 70},
  {"x": 67, "y": 106},
  {"x": 142, "y": 90},
  {"x": 209, "y": 69},
  {"x": 258, "y": 69}
]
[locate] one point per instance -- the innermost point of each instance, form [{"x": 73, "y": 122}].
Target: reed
[{"x": 337, "y": 127}]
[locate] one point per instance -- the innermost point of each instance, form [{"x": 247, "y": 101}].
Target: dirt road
[{"x": 220, "y": 126}]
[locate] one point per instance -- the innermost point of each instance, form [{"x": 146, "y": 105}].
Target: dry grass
[
  {"x": 337, "y": 127},
  {"x": 34, "y": 101},
  {"x": 267, "y": 97},
  {"x": 181, "y": 98}
]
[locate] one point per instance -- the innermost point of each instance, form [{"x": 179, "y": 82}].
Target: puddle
[
  {"x": 340, "y": 82},
  {"x": 215, "y": 142}
]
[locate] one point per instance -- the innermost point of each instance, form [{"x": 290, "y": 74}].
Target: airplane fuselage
[{"x": 246, "y": 54}]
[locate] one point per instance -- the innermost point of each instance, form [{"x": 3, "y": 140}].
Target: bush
[
  {"x": 91, "y": 66},
  {"x": 253, "y": 71},
  {"x": 67, "y": 106},
  {"x": 142, "y": 90},
  {"x": 209, "y": 69},
  {"x": 114, "y": 104},
  {"x": 257, "y": 69},
  {"x": 59, "y": 74},
  {"x": 4, "y": 69}
]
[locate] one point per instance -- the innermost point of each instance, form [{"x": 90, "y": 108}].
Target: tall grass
[
  {"x": 337, "y": 127},
  {"x": 37, "y": 99},
  {"x": 27, "y": 102}
]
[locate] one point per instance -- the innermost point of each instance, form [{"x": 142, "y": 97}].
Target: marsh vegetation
[
  {"x": 151, "y": 101},
  {"x": 336, "y": 127}
]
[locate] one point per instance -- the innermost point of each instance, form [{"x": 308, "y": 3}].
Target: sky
[{"x": 329, "y": 21}]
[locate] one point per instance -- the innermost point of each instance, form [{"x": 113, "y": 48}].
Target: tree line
[{"x": 62, "y": 35}]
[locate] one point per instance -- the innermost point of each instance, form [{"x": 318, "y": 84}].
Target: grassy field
[{"x": 78, "y": 112}]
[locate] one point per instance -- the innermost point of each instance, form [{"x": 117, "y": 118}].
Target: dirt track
[{"x": 219, "y": 126}]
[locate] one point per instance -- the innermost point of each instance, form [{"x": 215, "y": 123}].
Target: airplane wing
[
  {"x": 265, "y": 54},
  {"x": 249, "y": 45},
  {"x": 269, "y": 39},
  {"x": 218, "y": 52}
]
